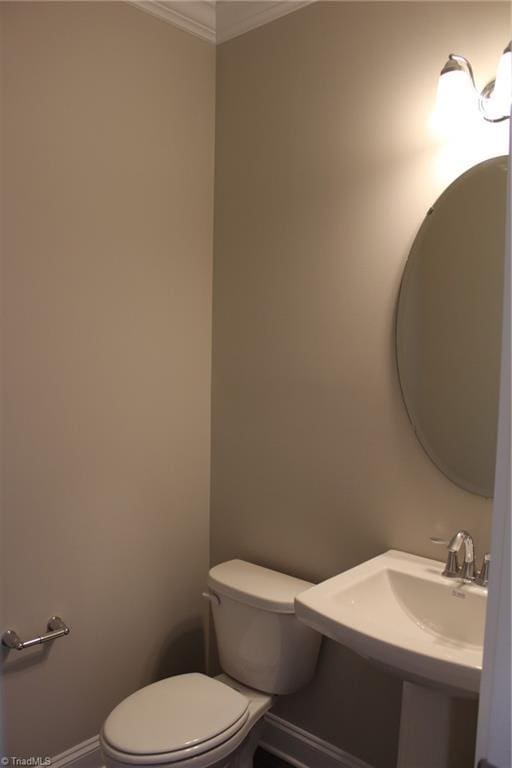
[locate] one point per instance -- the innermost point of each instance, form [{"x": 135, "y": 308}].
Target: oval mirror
[{"x": 448, "y": 328}]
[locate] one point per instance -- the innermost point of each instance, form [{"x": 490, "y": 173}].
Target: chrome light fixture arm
[{"x": 486, "y": 94}]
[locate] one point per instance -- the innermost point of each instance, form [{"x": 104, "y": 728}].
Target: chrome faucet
[{"x": 466, "y": 571}]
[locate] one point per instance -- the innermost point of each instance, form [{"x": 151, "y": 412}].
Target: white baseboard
[
  {"x": 84, "y": 755},
  {"x": 292, "y": 744},
  {"x": 301, "y": 748}
]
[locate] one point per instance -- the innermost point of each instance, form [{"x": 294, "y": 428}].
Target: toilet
[{"x": 195, "y": 721}]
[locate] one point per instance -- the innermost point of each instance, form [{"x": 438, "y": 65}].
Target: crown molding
[
  {"x": 196, "y": 17},
  {"x": 217, "y": 25},
  {"x": 256, "y": 14}
]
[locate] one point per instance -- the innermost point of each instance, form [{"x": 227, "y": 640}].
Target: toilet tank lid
[{"x": 256, "y": 586}]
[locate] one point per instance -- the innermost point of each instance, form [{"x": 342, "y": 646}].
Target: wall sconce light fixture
[{"x": 457, "y": 86}]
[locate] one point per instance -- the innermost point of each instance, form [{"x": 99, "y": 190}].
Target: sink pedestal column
[{"x": 424, "y": 728}]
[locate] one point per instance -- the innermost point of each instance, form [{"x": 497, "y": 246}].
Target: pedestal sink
[{"x": 398, "y": 610}]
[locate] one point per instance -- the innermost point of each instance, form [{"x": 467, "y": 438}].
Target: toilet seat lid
[{"x": 175, "y": 714}]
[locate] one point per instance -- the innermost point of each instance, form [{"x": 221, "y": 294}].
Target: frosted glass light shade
[
  {"x": 456, "y": 103},
  {"x": 456, "y": 96}
]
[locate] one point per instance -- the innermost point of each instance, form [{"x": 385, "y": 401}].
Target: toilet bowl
[
  {"x": 195, "y": 721},
  {"x": 206, "y": 739}
]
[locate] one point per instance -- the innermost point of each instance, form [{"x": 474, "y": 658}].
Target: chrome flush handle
[{"x": 212, "y": 597}]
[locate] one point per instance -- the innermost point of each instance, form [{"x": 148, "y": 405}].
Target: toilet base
[
  {"x": 243, "y": 757},
  {"x": 259, "y": 703}
]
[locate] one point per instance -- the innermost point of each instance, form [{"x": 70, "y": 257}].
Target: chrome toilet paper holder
[{"x": 56, "y": 628}]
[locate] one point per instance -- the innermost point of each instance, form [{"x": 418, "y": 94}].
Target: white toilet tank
[{"x": 261, "y": 643}]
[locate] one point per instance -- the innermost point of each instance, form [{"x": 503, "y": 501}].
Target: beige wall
[
  {"x": 325, "y": 167},
  {"x": 324, "y": 172},
  {"x": 108, "y": 120}
]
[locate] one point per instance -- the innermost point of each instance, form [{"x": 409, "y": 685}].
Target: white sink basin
[{"x": 398, "y": 610}]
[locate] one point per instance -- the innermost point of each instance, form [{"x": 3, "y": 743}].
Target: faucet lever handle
[
  {"x": 451, "y": 569},
  {"x": 482, "y": 577}
]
